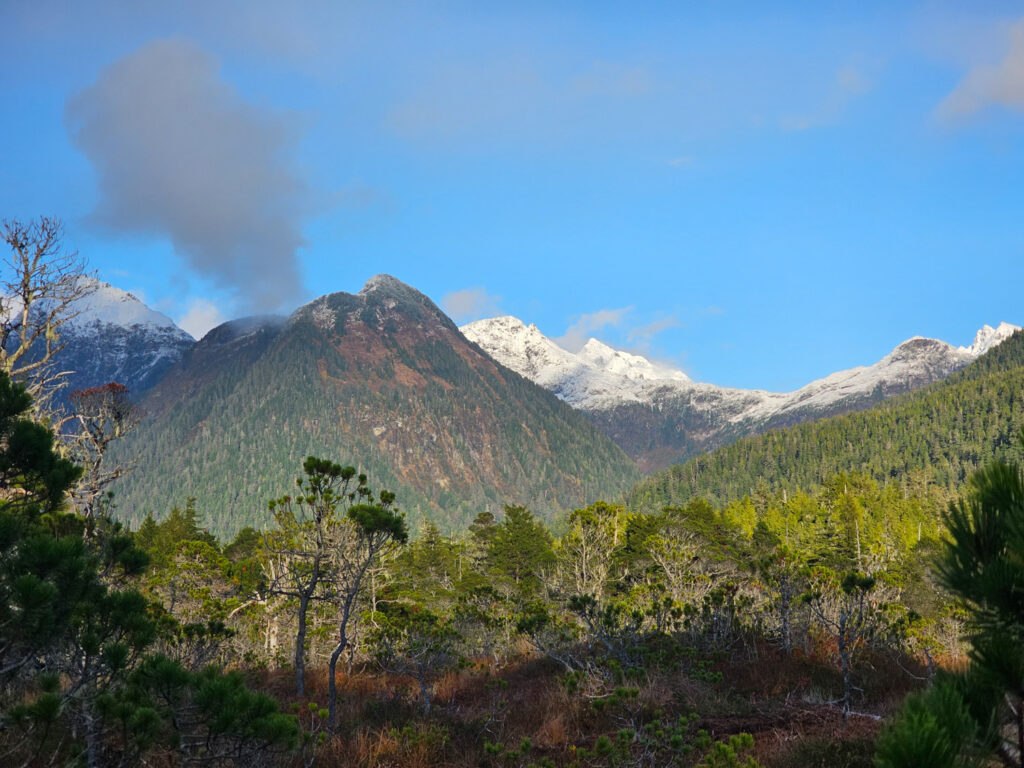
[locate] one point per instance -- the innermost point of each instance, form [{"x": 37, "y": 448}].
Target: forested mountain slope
[
  {"x": 938, "y": 435},
  {"x": 382, "y": 380}
]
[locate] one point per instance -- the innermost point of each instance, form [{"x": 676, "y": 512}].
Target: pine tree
[
  {"x": 980, "y": 711},
  {"x": 300, "y": 551},
  {"x": 521, "y": 549}
]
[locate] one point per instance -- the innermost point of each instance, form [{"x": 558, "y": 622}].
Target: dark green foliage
[
  {"x": 934, "y": 437},
  {"x": 43, "y": 582},
  {"x": 205, "y": 717},
  {"x": 520, "y": 549},
  {"x": 44, "y": 579},
  {"x": 982, "y": 563},
  {"x": 73, "y": 642},
  {"x": 28, "y": 461},
  {"x": 979, "y": 713},
  {"x": 933, "y": 730},
  {"x": 376, "y": 520},
  {"x": 162, "y": 541},
  {"x": 428, "y": 570}
]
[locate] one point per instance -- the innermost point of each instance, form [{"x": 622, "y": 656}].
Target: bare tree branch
[{"x": 41, "y": 286}]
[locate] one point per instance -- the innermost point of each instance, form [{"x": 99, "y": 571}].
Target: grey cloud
[{"x": 180, "y": 154}]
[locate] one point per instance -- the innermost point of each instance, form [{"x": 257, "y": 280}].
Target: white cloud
[
  {"x": 525, "y": 98},
  {"x": 848, "y": 83},
  {"x": 645, "y": 333},
  {"x": 576, "y": 335},
  {"x": 608, "y": 78},
  {"x": 201, "y": 316},
  {"x": 990, "y": 84},
  {"x": 470, "y": 304}
]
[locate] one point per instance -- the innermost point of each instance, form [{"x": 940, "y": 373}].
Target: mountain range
[
  {"x": 660, "y": 417},
  {"x": 453, "y": 420},
  {"x": 927, "y": 442}
]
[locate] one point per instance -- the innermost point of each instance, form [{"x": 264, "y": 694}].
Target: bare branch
[{"x": 41, "y": 285}]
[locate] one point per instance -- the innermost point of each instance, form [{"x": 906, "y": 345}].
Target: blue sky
[{"x": 758, "y": 195}]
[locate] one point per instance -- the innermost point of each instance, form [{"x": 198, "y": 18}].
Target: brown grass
[{"x": 775, "y": 697}]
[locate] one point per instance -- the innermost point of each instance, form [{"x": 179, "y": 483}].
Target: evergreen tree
[
  {"x": 368, "y": 530},
  {"x": 300, "y": 550},
  {"x": 978, "y": 713},
  {"x": 73, "y": 639},
  {"x": 521, "y": 549},
  {"x": 931, "y": 439}
]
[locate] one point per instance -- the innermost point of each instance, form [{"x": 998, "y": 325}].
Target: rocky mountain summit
[{"x": 113, "y": 336}]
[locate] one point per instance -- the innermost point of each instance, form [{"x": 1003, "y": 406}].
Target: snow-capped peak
[
  {"x": 537, "y": 357},
  {"x": 107, "y": 305},
  {"x": 627, "y": 364},
  {"x": 988, "y": 337},
  {"x": 594, "y": 377}
]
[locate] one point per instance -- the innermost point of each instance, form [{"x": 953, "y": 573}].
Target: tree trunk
[
  {"x": 332, "y": 668},
  {"x": 332, "y": 683},
  {"x": 300, "y": 647},
  {"x": 785, "y": 601},
  {"x": 844, "y": 655},
  {"x": 346, "y": 614},
  {"x": 92, "y": 735},
  {"x": 426, "y": 694},
  {"x": 272, "y": 641}
]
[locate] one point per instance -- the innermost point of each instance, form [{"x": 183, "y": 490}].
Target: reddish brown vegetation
[{"x": 781, "y": 700}]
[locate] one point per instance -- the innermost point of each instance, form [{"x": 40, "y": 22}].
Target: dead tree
[
  {"x": 104, "y": 414},
  {"x": 41, "y": 285}
]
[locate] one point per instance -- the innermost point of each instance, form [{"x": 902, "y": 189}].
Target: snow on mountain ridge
[
  {"x": 596, "y": 377},
  {"x": 599, "y": 377},
  {"x": 107, "y": 305},
  {"x": 988, "y": 337},
  {"x": 627, "y": 364},
  {"x": 112, "y": 336},
  {"x": 535, "y": 357}
]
